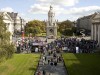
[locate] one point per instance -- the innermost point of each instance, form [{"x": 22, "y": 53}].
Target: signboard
[
  {"x": 39, "y": 44},
  {"x": 77, "y": 49},
  {"x": 35, "y": 44}
]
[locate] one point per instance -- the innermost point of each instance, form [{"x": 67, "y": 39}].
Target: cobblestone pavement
[{"x": 52, "y": 70}]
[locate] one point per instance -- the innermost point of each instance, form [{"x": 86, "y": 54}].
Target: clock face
[{"x": 51, "y": 30}]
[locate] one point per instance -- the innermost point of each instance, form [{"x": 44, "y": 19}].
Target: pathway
[{"x": 51, "y": 70}]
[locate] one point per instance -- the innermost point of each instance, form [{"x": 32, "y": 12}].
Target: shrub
[
  {"x": 6, "y": 48},
  {"x": 9, "y": 50}
]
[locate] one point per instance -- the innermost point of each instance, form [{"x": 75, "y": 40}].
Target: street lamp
[
  {"x": 21, "y": 25},
  {"x": 14, "y": 28}
]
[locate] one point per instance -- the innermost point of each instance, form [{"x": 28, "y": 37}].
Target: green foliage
[
  {"x": 9, "y": 50},
  {"x": 41, "y": 34},
  {"x": 2, "y": 54},
  {"x": 64, "y": 25},
  {"x": 68, "y": 32},
  {"x": 35, "y": 27},
  {"x": 20, "y": 64},
  {"x": 58, "y": 33},
  {"x": 6, "y": 48},
  {"x": 65, "y": 28}
]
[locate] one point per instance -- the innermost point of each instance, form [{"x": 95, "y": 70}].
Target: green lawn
[
  {"x": 20, "y": 64},
  {"x": 82, "y": 64},
  {"x": 41, "y": 34}
]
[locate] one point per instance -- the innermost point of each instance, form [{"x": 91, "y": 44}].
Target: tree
[
  {"x": 6, "y": 48},
  {"x": 65, "y": 27},
  {"x": 35, "y": 27},
  {"x": 33, "y": 30}
]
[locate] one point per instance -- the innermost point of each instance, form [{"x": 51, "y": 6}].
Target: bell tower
[{"x": 51, "y": 25}]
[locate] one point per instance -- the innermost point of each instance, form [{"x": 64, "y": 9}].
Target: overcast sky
[{"x": 38, "y": 9}]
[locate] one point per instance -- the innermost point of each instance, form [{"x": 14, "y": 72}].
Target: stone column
[
  {"x": 99, "y": 35},
  {"x": 55, "y": 31},
  {"x": 92, "y": 37},
  {"x": 95, "y": 32}
]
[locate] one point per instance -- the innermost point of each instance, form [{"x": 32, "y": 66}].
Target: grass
[
  {"x": 82, "y": 64},
  {"x": 20, "y": 64},
  {"x": 41, "y": 34}
]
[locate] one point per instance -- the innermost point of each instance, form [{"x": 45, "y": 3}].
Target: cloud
[
  {"x": 64, "y": 8},
  {"x": 60, "y": 2},
  {"x": 24, "y": 16},
  {"x": 39, "y": 8},
  {"x": 65, "y": 2},
  {"x": 75, "y": 13},
  {"x": 83, "y": 10},
  {"x": 21, "y": 14},
  {"x": 7, "y": 9},
  {"x": 44, "y": 8}
]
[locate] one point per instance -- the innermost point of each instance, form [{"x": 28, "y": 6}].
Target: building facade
[
  {"x": 85, "y": 22},
  {"x": 51, "y": 26},
  {"x": 13, "y": 22},
  {"x": 18, "y": 22},
  {"x": 95, "y": 28}
]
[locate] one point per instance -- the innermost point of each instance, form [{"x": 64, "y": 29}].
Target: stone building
[
  {"x": 8, "y": 21},
  {"x": 13, "y": 22},
  {"x": 85, "y": 22},
  {"x": 95, "y": 28},
  {"x": 74, "y": 24},
  {"x": 18, "y": 22},
  {"x": 51, "y": 26}
]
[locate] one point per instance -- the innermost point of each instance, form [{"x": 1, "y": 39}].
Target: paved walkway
[{"x": 51, "y": 70}]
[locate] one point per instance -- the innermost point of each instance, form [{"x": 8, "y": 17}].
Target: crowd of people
[
  {"x": 27, "y": 44},
  {"x": 51, "y": 58},
  {"x": 74, "y": 45}
]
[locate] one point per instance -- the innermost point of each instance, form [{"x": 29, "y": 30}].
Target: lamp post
[
  {"x": 23, "y": 36},
  {"x": 22, "y": 31},
  {"x": 21, "y": 25},
  {"x": 14, "y": 28}
]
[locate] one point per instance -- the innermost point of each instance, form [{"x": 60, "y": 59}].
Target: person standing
[
  {"x": 44, "y": 73},
  {"x": 48, "y": 61},
  {"x": 39, "y": 73}
]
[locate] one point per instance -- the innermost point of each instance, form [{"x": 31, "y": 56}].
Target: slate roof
[
  {"x": 12, "y": 15},
  {"x": 87, "y": 17}
]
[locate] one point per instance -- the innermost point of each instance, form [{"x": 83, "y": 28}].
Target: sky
[{"x": 38, "y": 9}]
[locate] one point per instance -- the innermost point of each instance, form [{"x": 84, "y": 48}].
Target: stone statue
[{"x": 51, "y": 26}]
